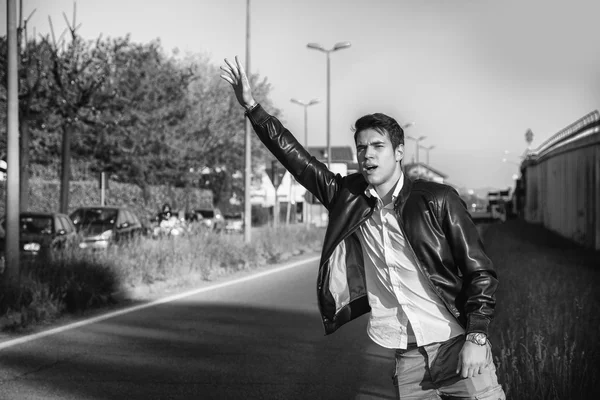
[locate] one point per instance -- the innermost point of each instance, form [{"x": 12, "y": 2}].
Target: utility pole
[
  {"x": 11, "y": 270},
  {"x": 248, "y": 144}
]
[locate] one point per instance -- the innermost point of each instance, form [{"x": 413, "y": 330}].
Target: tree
[
  {"x": 136, "y": 143},
  {"x": 81, "y": 88},
  {"x": 141, "y": 115},
  {"x": 214, "y": 131}
]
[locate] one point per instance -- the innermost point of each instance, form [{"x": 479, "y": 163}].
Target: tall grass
[
  {"x": 545, "y": 333},
  {"x": 547, "y": 328},
  {"x": 77, "y": 280}
]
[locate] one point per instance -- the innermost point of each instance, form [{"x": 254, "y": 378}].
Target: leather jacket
[{"x": 432, "y": 216}]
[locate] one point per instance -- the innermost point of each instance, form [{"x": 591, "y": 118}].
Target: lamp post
[
  {"x": 427, "y": 151},
  {"x": 405, "y": 126},
  {"x": 247, "y": 145},
  {"x": 417, "y": 140},
  {"x": 505, "y": 160},
  {"x": 337, "y": 46},
  {"x": 305, "y": 105}
]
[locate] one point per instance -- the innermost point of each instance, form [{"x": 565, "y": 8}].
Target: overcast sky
[{"x": 473, "y": 75}]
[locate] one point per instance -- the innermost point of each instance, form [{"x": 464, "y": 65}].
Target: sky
[{"x": 471, "y": 75}]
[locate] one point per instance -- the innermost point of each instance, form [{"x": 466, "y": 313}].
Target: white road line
[{"x": 60, "y": 329}]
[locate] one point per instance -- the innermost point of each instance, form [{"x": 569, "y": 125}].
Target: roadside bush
[
  {"x": 80, "y": 280},
  {"x": 31, "y": 303}
]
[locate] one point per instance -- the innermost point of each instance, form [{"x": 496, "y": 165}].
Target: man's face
[{"x": 378, "y": 162}]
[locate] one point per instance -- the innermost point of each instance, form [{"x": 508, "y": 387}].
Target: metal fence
[{"x": 560, "y": 182}]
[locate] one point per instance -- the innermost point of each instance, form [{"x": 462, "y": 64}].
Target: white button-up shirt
[{"x": 398, "y": 293}]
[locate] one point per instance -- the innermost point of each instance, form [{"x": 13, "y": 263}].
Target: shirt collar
[{"x": 371, "y": 192}]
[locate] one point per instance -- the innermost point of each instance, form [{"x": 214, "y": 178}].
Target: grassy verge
[
  {"x": 545, "y": 333},
  {"x": 547, "y": 327},
  {"x": 80, "y": 280}
]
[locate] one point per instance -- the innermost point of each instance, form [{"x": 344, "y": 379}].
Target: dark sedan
[
  {"x": 40, "y": 234},
  {"x": 101, "y": 226}
]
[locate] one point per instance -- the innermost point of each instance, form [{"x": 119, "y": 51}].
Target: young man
[{"x": 408, "y": 252}]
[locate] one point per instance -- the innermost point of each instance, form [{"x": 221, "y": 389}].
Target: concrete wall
[{"x": 562, "y": 185}]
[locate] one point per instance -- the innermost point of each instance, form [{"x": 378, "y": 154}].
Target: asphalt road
[{"x": 257, "y": 339}]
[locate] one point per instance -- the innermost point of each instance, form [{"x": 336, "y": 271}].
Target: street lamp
[
  {"x": 337, "y": 46},
  {"x": 505, "y": 160},
  {"x": 427, "y": 151},
  {"x": 417, "y": 140},
  {"x": 305, "y": 105}
]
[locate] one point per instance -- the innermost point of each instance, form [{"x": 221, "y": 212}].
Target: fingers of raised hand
[
  {"x": 227, "y": 76},
  {"x": 234, "y": 70},
  {"x": 240, "y": 67}
]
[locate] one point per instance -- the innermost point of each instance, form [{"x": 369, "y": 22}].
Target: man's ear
[{"x": 399, "y": 153}]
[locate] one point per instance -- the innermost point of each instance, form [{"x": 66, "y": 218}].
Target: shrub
[{"x": 78, "y": 280}]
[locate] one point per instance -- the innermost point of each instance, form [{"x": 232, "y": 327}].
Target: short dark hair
[{"x": 383, "y": 124}]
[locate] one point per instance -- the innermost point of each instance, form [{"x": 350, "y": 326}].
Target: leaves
[{"x": 141, "y": 115}]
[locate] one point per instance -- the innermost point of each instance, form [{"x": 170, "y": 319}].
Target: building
[
  {"x": 342, "y": 155},
  {"x": 424, "y": 171},
  {"x": 302, "y": 204}
]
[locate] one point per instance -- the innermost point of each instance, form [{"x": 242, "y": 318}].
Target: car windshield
[
  {"x": 98, "y": 216},
  {"x": 206, "y": 213},
  {"x": 36, "y": 225}
]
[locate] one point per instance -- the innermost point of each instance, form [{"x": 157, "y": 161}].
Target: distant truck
[{"x": 500, "y": 204}]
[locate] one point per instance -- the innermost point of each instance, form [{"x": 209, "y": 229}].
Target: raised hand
[{"x": 236, "y": 76}]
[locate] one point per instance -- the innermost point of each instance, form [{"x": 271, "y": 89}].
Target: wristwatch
[{"x": 477, "y": 338}]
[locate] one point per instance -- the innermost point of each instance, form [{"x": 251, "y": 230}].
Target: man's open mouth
[{"x": 369, "y": 167}]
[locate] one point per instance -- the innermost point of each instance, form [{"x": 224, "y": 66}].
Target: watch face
[{"x": 480, "y": 338}]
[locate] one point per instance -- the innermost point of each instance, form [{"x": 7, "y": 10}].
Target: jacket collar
[
  {"x": 403, "y": 195},
  {"x": 400, "y": 199},
  {"x": 371, "y": 192}
]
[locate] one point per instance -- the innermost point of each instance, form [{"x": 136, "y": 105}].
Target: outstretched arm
[
  {"x": 235, "y": 74},
  {"x": 311, "y": 173}
]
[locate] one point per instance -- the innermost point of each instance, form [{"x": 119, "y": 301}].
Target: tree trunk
[
  {"x": 24, "y": 165},
  {"x": 65, "y": 174}
]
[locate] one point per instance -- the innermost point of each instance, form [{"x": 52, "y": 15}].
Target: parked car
[
  {"x": 101, "y": 226},
  {"x": 40, "y": 234},
  {"x": 210, "y": 218},
  {"x": 234, "y": 222}
]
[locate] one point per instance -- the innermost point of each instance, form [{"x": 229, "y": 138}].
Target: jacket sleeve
[
  {"x": 479, "y": 277},
  {"x": 307, "y": 170}
]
